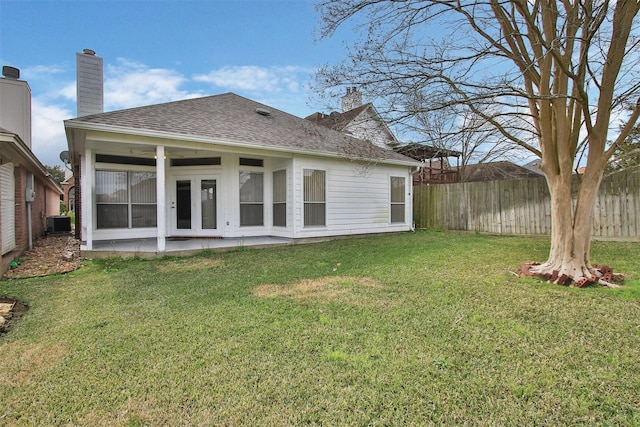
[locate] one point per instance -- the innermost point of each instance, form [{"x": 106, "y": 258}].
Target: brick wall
[{"x": 46, "y": 203}]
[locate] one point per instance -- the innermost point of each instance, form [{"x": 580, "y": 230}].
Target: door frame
[{"x": 196, "y": 229}]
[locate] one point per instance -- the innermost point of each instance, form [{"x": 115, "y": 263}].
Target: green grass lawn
[{"x": 410, "y": 329}]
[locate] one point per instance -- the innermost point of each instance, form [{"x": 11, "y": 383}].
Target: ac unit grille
[{"x": 58, "y": 224}]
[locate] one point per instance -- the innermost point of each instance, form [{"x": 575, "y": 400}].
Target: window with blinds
[
  {"x": 280, "y": 198},
  {"x": 251, "y": 198},
  {"x": 397, "y": 199},
  {"x": 125, "y": 199},
  {"x": 314, "y": 198}
]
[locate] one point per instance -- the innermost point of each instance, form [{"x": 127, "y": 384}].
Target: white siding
[
  {"x": 8, "y": 203},
  {"x": 358, "y": 198}
]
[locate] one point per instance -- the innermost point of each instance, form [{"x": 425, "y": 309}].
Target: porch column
[
  {"x": 87, "y": 200},
  {"x": 160, "y": 198}
]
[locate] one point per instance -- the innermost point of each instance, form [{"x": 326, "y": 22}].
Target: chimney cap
[
  {"x": 89, "y": 52},
  {"x": 10, "y": 72}
]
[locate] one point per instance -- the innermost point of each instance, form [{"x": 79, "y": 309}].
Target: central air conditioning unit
[{"x": 58, "y": 224}]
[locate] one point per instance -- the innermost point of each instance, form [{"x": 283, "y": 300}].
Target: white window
[
  {"x": 397, "y": 199},
  {"x": 314, "y": 198},
  {"x": 251, "y": 198},
  {"x": 280, "y": 198},
  {"x": 125, "y": 199}
]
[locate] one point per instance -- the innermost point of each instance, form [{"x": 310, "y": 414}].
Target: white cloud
[
  {"x": 132, "y": 84},
  {"x": 41, "y": 71},
  {"x": 67, "y": 92},
  {"x": 257, "y": 79},
  {"x": 48, "y": 138}
]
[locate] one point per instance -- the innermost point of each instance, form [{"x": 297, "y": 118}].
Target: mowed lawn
[{"x": 411, "y": 329}]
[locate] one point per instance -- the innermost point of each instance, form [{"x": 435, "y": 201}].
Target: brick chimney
[
  {"x": 353, "y": 99},
  {"x": 89, "y": 78}
]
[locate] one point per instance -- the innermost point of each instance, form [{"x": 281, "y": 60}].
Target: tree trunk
[{"x": 568, "y": 262}]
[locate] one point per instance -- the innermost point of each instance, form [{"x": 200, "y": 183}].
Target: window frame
[
  {"x": 307, "y": 203},
  {"x": 396, "y": 203},
  {"x": 242, "y": 203},
  {"x": 277, "y": 204},
  {"x": 130, "y": 204}
]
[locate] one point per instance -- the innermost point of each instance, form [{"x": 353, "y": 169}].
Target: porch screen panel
[
  {"x": 183, "y": 203},
  {"x": 251, "y": 198},
  {"x": 397, "y": 199},
  {"x": 112, "y": 196},
  {"x": 314, "y": 197},
  {"x": 280, "y": 198},
  {"x": 125, "y": 199},
  {"x": 143, "y": 199},
  {"x": 208, "y": 203}
]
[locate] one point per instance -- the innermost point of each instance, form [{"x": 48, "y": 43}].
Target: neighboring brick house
[
  {"x": 28, "y": 193},
  {"x": 69, "y": 191}
]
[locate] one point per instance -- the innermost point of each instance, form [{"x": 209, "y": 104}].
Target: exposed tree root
[{"x": 600, "y": 274}]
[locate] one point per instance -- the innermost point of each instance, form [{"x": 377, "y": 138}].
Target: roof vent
[
  {"x": 263, "y": 111},
  {"x": 10, "y": 72},
  {"x": 89, "y": 52}
]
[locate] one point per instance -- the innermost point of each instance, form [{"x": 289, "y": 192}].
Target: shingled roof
[{"x": 229, "y": 119}]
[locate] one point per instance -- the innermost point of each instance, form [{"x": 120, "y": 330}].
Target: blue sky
[{"x": 156, "y": 51}]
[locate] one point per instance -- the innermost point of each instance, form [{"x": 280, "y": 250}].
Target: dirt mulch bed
[
  {"x": 10, "y": 312},
  {"x": 52, "y": 254}
]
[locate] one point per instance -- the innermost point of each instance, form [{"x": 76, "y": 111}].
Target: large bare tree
[{"x": 552, "y": 77}]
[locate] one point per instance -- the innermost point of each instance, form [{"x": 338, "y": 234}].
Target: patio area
[{"x": 148, "y": 248}]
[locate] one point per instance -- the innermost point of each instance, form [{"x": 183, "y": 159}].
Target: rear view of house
[{"x": 225, "y": 166}]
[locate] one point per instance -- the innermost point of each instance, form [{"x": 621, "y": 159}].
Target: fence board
[{"x": 523, "y": 207}]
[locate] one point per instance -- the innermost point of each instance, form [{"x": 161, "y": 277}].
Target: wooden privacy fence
[{"x": 522, "y": 207}]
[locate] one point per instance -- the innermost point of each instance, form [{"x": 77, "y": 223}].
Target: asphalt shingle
[{"x": 232, "y": 119}]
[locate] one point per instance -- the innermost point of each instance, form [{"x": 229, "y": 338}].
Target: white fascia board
[{"x": 230, "y": 143}]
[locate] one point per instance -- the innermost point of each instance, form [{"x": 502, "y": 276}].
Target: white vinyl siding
[
  {"x": 357, "y": 198},
  {"x": 314, "y": 183},
  {"x": 8, "y": 195}
]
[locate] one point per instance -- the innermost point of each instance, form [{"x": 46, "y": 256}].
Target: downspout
[
  {"x": 413, "y": 171},
  {"x": 28, "y": 197},
  {"x": 29, "y": 228}
]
